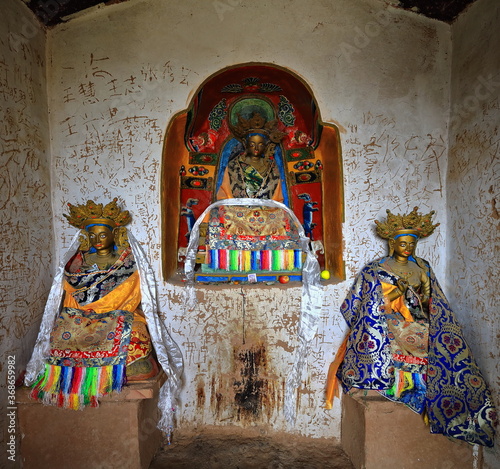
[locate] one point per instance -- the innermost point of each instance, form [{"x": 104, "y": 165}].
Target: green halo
[{"x": 246, "y": 107}]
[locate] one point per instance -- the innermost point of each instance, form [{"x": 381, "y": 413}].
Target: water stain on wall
[
  {"x": 250, "y": 393},
  {"x": 249, "y": 387},
  {"x": 200, "y": 392}
]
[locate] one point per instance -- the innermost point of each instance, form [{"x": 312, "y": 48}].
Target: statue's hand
[{"x": 402, "y": 285}]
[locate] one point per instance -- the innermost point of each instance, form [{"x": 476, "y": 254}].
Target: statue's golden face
[
  {"x": 256, "y": 145},
  {"x": 404, "y": 246},
  {"x": 101, "y": 237}
]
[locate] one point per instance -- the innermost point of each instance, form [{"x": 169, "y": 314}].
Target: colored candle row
[{"x": 245, "y": 261}]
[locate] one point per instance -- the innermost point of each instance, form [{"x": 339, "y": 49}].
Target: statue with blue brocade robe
[{"x": 404, "y": 340}]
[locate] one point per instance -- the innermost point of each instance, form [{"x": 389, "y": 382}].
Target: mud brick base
[
  {"x": 378, "y": 433},
  {"x": 121, "y": 432}
]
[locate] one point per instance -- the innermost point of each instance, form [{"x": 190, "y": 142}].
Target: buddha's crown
[
  {"x": 413, "y": 224},
  {"x": 91, "y": 213},
  {"x": 257, "y": 124}
]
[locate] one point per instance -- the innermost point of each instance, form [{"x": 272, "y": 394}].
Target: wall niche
[{"x": 201, "y": 142}]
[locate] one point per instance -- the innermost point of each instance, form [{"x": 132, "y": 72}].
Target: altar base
[
  {"x": 121, "y": 432},
  {"x": 378, "y": 433}
]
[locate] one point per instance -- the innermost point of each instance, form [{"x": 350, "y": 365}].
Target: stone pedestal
[
  {"x": 378, "y": 433},
  {"x": 121, "y": 432}
]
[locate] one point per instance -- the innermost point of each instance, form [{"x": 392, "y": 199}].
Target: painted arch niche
[{"x": 200, "y": 141}]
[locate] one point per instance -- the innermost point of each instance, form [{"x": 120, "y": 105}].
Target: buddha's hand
[
  {"x": 400, "y": 290},
  {"x": 402, "y": 286}
]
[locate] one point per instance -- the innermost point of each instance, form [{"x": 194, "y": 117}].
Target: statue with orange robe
[{"x": 99, "y": 338}]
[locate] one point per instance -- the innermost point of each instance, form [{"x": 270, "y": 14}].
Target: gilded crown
[
  {"x": 257, "y": 124},
  {"x": 414, "y": 223},
  {"x": 90, "y": 213}
]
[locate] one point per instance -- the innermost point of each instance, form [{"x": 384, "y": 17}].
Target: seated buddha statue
[
  {"x": 253, "y": 172},
  {"x": 404, "y": 340},
  {"x": 100, "y": 337}
]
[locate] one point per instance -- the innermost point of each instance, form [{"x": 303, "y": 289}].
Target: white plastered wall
[
  {"x": 119, "y": 73},
  {"x": 473, "y": 188},
  {"x": 25, "y": 199}
]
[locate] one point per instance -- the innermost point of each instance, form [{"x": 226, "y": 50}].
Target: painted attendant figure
[{"x": 253, "y": 173}]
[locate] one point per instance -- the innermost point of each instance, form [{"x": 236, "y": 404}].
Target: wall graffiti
[
  {"x": 25, "y": 197},
  {"x": 109, "y": 153},
  {"x": 475, "y": 168}
]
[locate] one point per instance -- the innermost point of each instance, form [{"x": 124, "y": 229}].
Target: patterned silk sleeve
[
  {"x": 459, "y": 403},
  {"x": 368, "y": 355}
]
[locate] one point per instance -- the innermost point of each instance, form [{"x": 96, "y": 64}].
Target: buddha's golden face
[
  {"x": 404, "y": 246},
  {"x": 101, "y": 237},
  {"x": 256, "y": 146}
]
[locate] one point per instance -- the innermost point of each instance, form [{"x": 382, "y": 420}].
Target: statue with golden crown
[
  {"x": 101, "y": 327},
  {"x": 404, "y": 340}
]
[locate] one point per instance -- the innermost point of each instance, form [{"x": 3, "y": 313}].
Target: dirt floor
[{"x": 237, "y": 448}]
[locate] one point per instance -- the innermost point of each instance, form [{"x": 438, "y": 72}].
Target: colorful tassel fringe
[
  {"x": 77, "y": 387},
  {"x": 405, "y": 381},
  {"x": 245, "y": 261}
]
